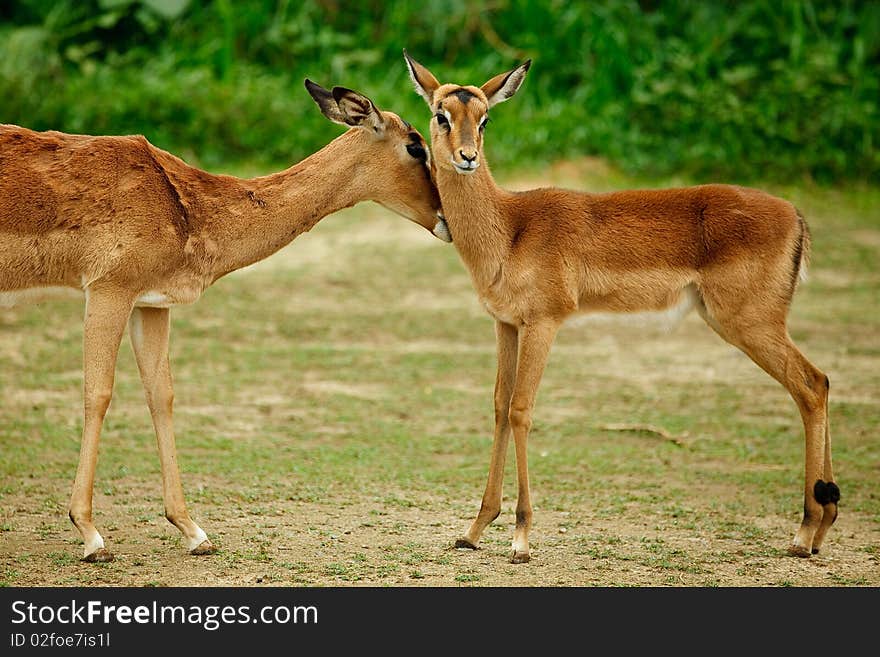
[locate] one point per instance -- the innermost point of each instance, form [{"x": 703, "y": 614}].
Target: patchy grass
[{"x": 334, "y": 420}]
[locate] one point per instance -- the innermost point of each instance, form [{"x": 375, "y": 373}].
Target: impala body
[
  {"x": 538, "y": 257},
  {"x": 140, "y": 231}
]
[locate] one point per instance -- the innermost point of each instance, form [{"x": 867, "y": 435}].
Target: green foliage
[{"x": 741, "y": 90}]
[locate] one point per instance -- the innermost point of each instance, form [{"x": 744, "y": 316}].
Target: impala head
[
  {"x": 396, "y": 158},
  {"x": 461, "y": 113}
]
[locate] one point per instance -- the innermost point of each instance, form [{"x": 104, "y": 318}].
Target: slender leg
[
  {"x": 106, "y": 313},
  {"x": 770, "y": 346},
  {"x": 149, "y": 329},
  {"x": 808, "y": 387},
  {"x": 534, "y": 348},
  {"x": 829, "y": 514},
  {"x": 506, "y": 345}
]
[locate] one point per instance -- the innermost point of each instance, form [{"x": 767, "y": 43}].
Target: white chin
[
  {"x": 441, "y": 230},
  {"x": 463, "y": 170}
]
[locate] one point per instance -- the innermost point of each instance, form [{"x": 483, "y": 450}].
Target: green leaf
[
  {"x": 167, "y": 8},
  {"x": 114, "y": 4},
  {"x": 109, "y": 19}
]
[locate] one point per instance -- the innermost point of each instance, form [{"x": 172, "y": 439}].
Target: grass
[
  {"x": 744, "y": 90},
  {"x": 333, "y": 412}
]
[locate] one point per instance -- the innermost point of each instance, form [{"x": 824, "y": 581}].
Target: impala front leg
[
  {"x": 149, "y": 329},
  {"x": 506, "y": 344},
  {"x": 106, "y": 313},
  {"x": 534, "y": 347}
]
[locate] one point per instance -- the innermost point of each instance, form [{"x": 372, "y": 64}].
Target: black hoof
[
  {"x": 465, "y": 543},
  {"x": 520, "y": 557},
  {"x": 798, "y": 551},
  {"x": 101, "y": 555},
  {"x": 203, "y": 548}
]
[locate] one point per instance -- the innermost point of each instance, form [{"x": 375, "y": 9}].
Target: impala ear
[
  {"x": 425, "y": 82},
  {"x": 347, "y": 107},
  {"x": 503, "y": 86},
  {"x": 357, "y": 110},
  {"x": 325, "y": 101}
]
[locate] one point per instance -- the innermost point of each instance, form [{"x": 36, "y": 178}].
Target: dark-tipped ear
[
  {"x": 503, "y": 86},
  {"x": 357, "y": 110},
  {"x": 325, "y": 101},
  {"x": 425, "y": 82}
]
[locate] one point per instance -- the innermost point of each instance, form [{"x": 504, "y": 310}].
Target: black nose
[{"x": 466, "y": 158}]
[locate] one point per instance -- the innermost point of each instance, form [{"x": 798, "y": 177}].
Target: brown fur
[
  {"x": 118, "y": 218},
  {"x": 539, "y": 256}
]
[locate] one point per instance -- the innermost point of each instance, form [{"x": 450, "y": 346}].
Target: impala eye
[
  {"x": 417, "y": 152},
  {"x": 484, "y": 122},
  {"x": 442, "y": 120}
]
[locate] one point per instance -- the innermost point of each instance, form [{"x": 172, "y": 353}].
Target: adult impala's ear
[
  {"x": 426, "y": 84},
  {"x": 503, "y": 86},
  {"x": 357, "y": 110},
  {"x": 325, "y": 101},
  {"x": 347, "y": 107}
]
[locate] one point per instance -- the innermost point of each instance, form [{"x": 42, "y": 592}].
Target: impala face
[
  {"x": 460, "y": 116},
  {"x": 460, "y": 113},
  {"x": 399, "y": 170},
  {"x": 409, "y": 190}
]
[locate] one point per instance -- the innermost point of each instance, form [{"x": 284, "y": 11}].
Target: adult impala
[
  {"x": 139, "y": 231},
  {"x": 537, "y": 257}
]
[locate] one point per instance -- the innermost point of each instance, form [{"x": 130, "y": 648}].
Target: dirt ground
[{"x": 311, "y": 541}]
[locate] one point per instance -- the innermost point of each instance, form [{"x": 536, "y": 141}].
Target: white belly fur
[
  {"x": 497, "y": 313},
  {"x": 661, "y": 320},
  {"x": 154, "y": 299},
  {"x": 33, "y": 295}
]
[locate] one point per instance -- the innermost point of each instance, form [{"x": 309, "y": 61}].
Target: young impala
[
  {"x": 537, "y": 257},
  {"x": 139, "y": 231}
]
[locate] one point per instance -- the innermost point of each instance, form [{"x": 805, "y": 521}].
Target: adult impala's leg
[
  {"x": 506, "y": 345},
  {"x": 149, "y": 329},
  {"x": 107, "y": 310},
  {"x": 767, "y": 342},
  {"x": 534, "y": 348},
  {"x": 808, "y": 386},
  {"x": 829, "y": 513}
]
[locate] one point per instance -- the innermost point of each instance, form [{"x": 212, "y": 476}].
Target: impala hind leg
[
  {"x": 769, "y": 345},
  {"x": 506, "y": 346},
  {"x": 829, "y": 514},
  {"x": 106, "y": 313},
  {"x": 149, "y": 330}
]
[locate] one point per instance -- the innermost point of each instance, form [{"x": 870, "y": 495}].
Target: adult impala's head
[
  {"x": 461, "y": 113},
  {"x": 395, "y": 158}
]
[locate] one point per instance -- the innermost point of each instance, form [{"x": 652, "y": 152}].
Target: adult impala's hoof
[
  {"x": 465, "y": 543},
  {"x": 798, "y": 551},
  {"x": 101, "y": 555},
  {"x": 205, "y": 547},
  {"x": 520, "y": 557}
]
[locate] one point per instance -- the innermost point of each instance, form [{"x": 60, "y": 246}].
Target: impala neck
[
  {"x": 474, "y": 208},
  {"x": 272, "y": 210}
]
